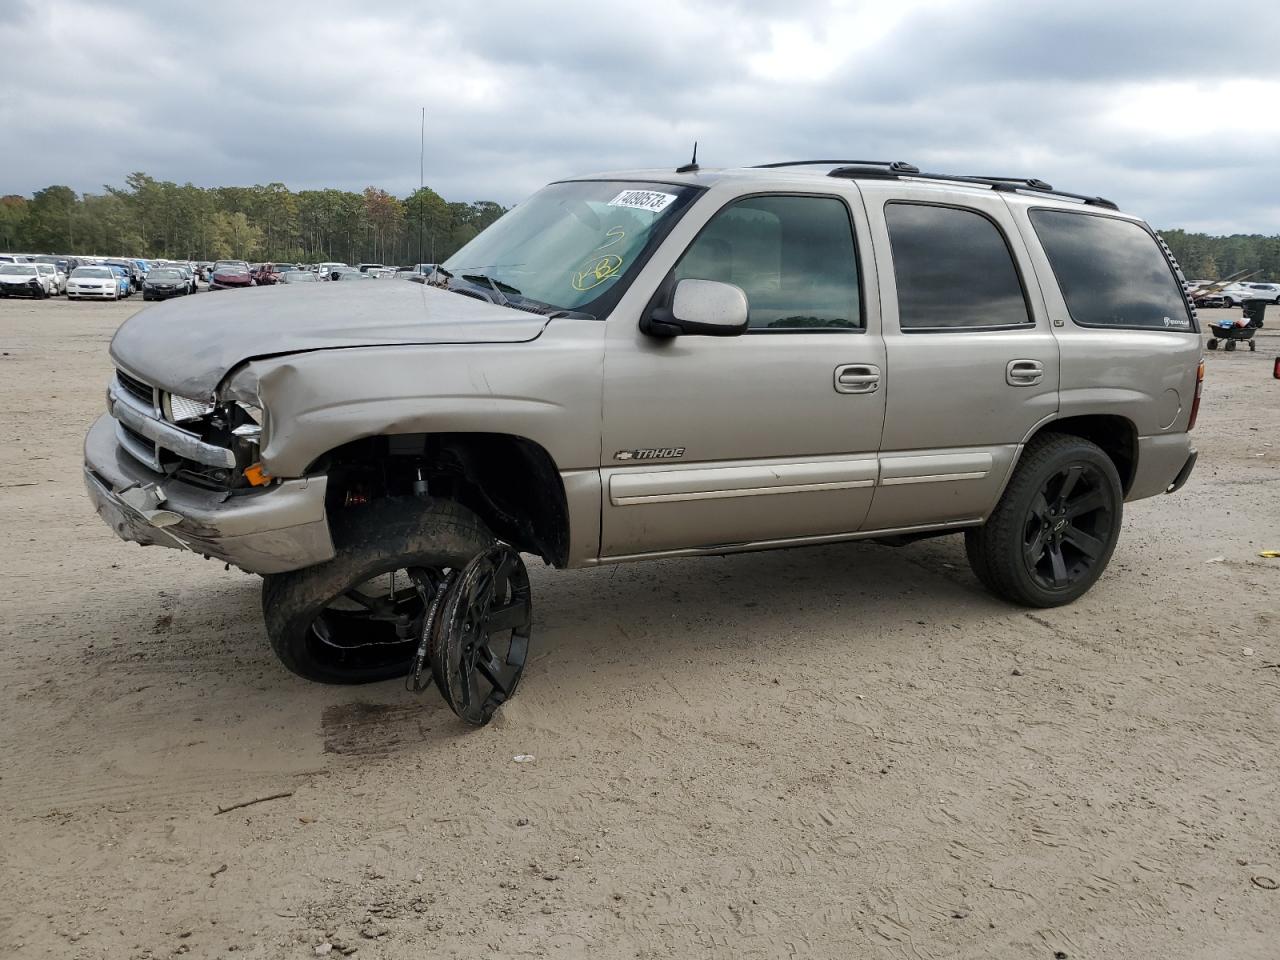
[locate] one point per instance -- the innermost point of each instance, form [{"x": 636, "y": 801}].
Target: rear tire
[
  {"x": 1053, "y": 532},
  {"x": 1213, "y": 344},
  {"x": 315, "y": 639}
]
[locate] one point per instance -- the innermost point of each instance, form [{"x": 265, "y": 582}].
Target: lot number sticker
[{"x": 650, "y": 200}]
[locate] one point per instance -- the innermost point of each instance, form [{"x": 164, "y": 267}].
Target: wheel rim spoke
[
  {"x": 1058, "y": 564},
  {"x": 1069, "y": 482},
  {"x": 1086, "y": 543},
  {"x": 1035, "y": 549},
  {"x": 492, "y": 671},
  {"x": 1086, "y": 502},
  {"x": 509, "y": 616}
]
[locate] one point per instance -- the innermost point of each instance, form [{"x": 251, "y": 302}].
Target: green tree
[
  {"x": 13, "y": 221},
  {"x": 234, "y": 236},
  {"x": 50, "y": 219}
]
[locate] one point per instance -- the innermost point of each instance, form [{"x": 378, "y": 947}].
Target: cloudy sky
[{"x": 1170, "y": 108}]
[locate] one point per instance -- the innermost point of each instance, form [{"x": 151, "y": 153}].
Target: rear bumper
[
  {"x": 1185, "y": 473},
  {"x": 283, "y": 527},
  {"x": 1164, "y": 464}
]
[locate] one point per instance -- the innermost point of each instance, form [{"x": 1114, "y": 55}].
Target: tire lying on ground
[
  {"x": 321, "y": 633},
  {"x": 1052, "y": 534}
]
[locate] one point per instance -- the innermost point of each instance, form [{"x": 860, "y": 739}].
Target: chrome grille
[{"x": 136, "y": 388}]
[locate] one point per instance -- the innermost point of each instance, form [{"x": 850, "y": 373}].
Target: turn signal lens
[
  {"x": 256, "y": 475},
  {"x": 1195, "y": 404}
]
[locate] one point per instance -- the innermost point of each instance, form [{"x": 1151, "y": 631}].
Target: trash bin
[{"x": 1253, "y": 311}]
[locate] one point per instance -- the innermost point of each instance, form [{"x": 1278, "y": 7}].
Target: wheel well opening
[
  {"x": 511, "y": 482},
  {"x": 1116, "y": 435}
]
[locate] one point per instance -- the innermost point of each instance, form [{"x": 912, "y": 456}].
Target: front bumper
[
  {"x": 22, "y": 290},
  {"x": 280, "y": 528}
]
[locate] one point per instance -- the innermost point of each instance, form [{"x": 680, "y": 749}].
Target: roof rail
[
  {"x": 827, "y": 163},
  {"x": 863, "y": 171}
]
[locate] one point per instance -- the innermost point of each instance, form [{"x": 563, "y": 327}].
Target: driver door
[{"x": 713, "y": 444}]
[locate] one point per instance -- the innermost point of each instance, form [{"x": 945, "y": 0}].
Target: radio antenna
[{"x": 692, "y": 165}]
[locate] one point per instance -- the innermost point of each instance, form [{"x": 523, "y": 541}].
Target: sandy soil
[{"x": 848, "y": 751}]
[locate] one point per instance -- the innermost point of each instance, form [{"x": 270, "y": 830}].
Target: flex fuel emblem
[{"x": 651, "y": 453}]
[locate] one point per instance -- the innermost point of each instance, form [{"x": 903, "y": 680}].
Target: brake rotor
[{"x": 479, "y": 640}]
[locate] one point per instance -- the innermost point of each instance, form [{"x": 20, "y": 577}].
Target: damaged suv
[{"x": 656, "y": 364}]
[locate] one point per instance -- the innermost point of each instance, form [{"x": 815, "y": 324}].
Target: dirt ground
[{"x": 845, "y": 751}]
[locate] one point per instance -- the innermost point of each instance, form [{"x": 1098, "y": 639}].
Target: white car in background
[
  {"x": 93, "y": 283},
  {"x": 1237, "y": 293},
  {"x": 22, "y": 280},
  {"x": 54, "y": 280}
]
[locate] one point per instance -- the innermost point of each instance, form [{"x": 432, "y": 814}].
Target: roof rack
[
  {"x": 898, "y": 170},
  {"x": 900, "y": 164}
]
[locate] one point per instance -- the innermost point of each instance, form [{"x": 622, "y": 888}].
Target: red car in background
[
  {"x": 265, "y": 273},
  {"x": 230, "y": 276}
]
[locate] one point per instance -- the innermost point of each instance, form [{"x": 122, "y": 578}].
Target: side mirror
[{"x": 706, "y": 308}]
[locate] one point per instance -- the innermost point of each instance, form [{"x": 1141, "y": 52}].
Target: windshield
[
  {"x": 17, "y": 270},
  {"x": 232, "y": 271},
  {"x": 166, "y": 274},
  {"x": 97, "y": 273},
  {"x": 570, "y": 243}
]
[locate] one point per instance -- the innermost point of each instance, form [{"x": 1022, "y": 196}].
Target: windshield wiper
[{"x": 497, "y": 286}]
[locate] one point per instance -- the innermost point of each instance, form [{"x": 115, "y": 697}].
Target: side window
[
  {"x": 953, "y": 268},
  {"x": 1110, "y": 271},
  {"x": 794, "y": 257}
]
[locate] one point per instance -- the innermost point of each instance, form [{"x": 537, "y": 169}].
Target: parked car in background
[
  {"x": 266, "y": 274},
  {"x": 1238, "y": 293},
  {"x": 366, "y": 267},
  {"x": 54, "y": 280},
  {"x": 188, "y": 274},
  {"x": 123, "y": 277},
  {"x": 14, "y": 258},
  {"x": 165, "y": 282},
  {"x": 325, "y": 270},
  {"x": 231, "y": 276},
  {"x": 348, "y": 273},
  {"x": 299, "y": 276},
  {"x": 23, "y": 280},
  {"x": 93, "y": 283},
  {"x": 131, "y": 269}
]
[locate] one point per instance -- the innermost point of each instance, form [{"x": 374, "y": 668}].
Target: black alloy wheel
[
  {"x": 480, "y": 641},
  {"x": 1069, "y": 527},
  {"x": 1052, "y": 534}
]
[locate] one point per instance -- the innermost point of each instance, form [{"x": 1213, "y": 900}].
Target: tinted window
[
  {"x": 953, "y": 269},
  {"x": 1111, "y": 272},
  {"x": 793, "y": 256}
]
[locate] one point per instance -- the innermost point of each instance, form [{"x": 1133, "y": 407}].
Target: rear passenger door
[{"x": 972, "y": 360}]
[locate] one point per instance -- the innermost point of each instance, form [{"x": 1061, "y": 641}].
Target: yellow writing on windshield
[{"x": 597, "y": 271}]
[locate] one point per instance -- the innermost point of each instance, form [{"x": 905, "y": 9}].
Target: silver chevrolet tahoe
[{"x": 652, "y": 364}]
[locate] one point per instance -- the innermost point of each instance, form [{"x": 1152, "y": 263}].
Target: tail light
[
  {"x": 1275, "y": 371},
  {"x": 1195, "y": 404}
]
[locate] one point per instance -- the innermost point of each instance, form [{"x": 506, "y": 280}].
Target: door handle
[
  {"x": 1024, "y": 373},
  {"x": 857, "y": 378}
]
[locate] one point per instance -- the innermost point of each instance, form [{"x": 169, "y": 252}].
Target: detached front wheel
[
  {"x": 1053, "y": 532},
  {"x": 358, "y": 618}
]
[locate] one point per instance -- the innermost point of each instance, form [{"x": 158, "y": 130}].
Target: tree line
[
  {"x": 158, "y": 218},
  {"x": 1210, "y": 258}
]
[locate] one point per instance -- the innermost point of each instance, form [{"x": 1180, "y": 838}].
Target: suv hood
[{"x": 188, "y": 345}]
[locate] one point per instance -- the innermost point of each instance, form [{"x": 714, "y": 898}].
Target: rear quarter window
[{"x": 1111, "y": 272}]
